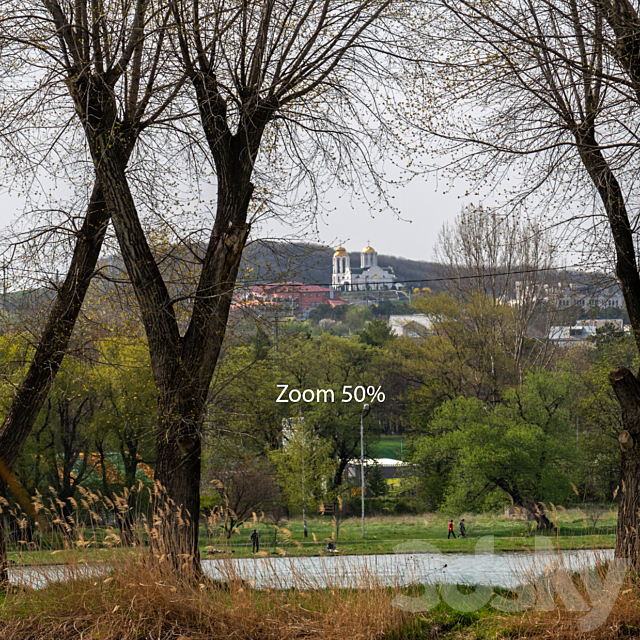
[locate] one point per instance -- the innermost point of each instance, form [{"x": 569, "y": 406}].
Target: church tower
[
  {"x": 368, "y": 257},
  {"x": 368, "y": 276},
  {"x": 341, "y": 267}
]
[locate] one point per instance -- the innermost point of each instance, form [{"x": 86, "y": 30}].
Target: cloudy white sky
[
  {"x": 423, "y": 210},
  {"x": 422, "y": 205}
]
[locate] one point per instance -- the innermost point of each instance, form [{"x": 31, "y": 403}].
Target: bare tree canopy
[
  {"x": 509, "y": 259},
  {"x": 557, "y": 85},
  {"x": 295, "y": 90}
]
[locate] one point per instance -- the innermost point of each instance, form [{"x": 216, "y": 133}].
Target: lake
[{"x": 400, "y": 569}]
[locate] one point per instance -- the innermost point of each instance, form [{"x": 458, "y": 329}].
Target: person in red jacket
[{"x": 451, "y": 531}]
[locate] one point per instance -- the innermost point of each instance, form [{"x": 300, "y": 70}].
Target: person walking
[
  {"x": 451, "y": 531},
  {"x": 255, "y": 541},
  {"x": 463, "y": 529}
]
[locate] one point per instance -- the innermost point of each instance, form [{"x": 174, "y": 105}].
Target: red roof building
[{"x": 296, "y": 296}]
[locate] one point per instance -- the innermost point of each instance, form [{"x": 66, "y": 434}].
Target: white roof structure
[
  {"x": 416, "y": 326},
  {"x": 383, "y": 462},
  {"x": 578, "y": 333}
]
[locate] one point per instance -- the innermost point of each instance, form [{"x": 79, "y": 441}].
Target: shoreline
[{"x": 466, "y": 546}]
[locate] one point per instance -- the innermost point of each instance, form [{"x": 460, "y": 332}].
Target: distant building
[
  {"x": 566, "y": 336},
  {"x": 585, "y": 296},
  {"x": 390, "y": 467},
  {"x": 367, "y": 277},
  {"x": 566, "y": 295},
  {"x": 416, "y": 326},
  {"x": 295, "y": 296}
]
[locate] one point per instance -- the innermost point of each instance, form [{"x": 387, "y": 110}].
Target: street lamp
[{"x": 363, "y": 415}]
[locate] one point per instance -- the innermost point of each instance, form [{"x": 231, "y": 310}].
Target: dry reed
[
  {"x": 141, "y": 593},
  {"x": 622, "y": 621}
]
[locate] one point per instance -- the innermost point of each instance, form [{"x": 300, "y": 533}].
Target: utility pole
[
  {"x": 364, "y": 413},
  {"x": 304, "y": 495}
]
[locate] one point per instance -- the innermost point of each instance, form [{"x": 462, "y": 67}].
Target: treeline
[{"x": 489, "y": 423}]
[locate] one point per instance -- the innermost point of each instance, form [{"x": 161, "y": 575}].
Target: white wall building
[
  {"x": 565, "y": 295},
  {"x": 368, "y": 276},
  {"x": 566, "y": 336},
  {"x": 415, "y": 326}
]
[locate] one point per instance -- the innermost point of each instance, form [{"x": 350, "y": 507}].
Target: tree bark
[
  {"x": 53, "y": 343},
  {"x": 627, "y": 390},
  {"x": 625, "y": 384},
  {"x": 624, "y": 21},
  {"x": 615, "y": 207}
]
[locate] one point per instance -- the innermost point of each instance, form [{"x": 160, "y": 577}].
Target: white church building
[{"x": 368, "y": 276}]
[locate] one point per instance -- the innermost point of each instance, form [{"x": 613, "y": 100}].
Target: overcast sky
[
  {"x": 422, "y": 208},
  {"x": 351, "y": 223}
]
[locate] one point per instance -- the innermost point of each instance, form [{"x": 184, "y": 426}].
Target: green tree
[
  {"x": 122, "y": 429},
  {"x": 468, "y": 352},
  {"x": 305, "y": 467},
  {"x": 243, "y": 412},
  {"x": 598, "y": 419},
  {"x": 522, "y": 451},
  {"x": 376, "y": 482},
  {"x": 357, "y": 317},
  {"x": 58, "y": 451},
  {"x": 377, "y": 334},
  {"x": 331, "y": 363}
]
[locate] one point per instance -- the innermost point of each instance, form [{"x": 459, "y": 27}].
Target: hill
[{"x": 312, "y": 264}]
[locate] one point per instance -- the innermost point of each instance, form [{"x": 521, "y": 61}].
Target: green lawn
[
  {"x": 383, "y": 533},
  {"x": 389, "y": 447}
]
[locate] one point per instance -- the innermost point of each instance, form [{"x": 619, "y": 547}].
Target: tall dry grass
[
  {"x": 622, "y": 621},
  {"x": 141, "y": 598},
  {"x": 141, "y": 593}
]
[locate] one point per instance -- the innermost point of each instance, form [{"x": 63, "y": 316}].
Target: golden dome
[
  {"x": 340, "y": 251},
  {"x": 368, "y": 250}
]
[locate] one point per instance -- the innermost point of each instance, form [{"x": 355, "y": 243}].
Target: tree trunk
[
  {"x": 178, "y": 457},
  {"x": 53, "y": 343},
  {"x": 614, "y": 203},
  {"x": 625, "y": 385},
  {"x": 627, "y": 390},
  {"x": 539, "y": 513},
  {"x": 4, "y": 560}
]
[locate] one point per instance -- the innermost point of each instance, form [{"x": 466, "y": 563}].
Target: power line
[
  {"x": 444, "y": 279},
  {"x": 325, "y": 284}
]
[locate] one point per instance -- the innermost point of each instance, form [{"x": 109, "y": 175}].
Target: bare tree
[
  {"x": 510, "y": 260},
  {"x": 557, "y": 80},
  {"x": 245, "y": 486},
  {"x": 129, "y": 65},
  {"x": 262, "y": 74}
]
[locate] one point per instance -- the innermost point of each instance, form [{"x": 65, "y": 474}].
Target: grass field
[
  {"x": 383, "y": 533},
  {"x": 575, "y": 530},
  {"x": 389, "y": 447}
]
